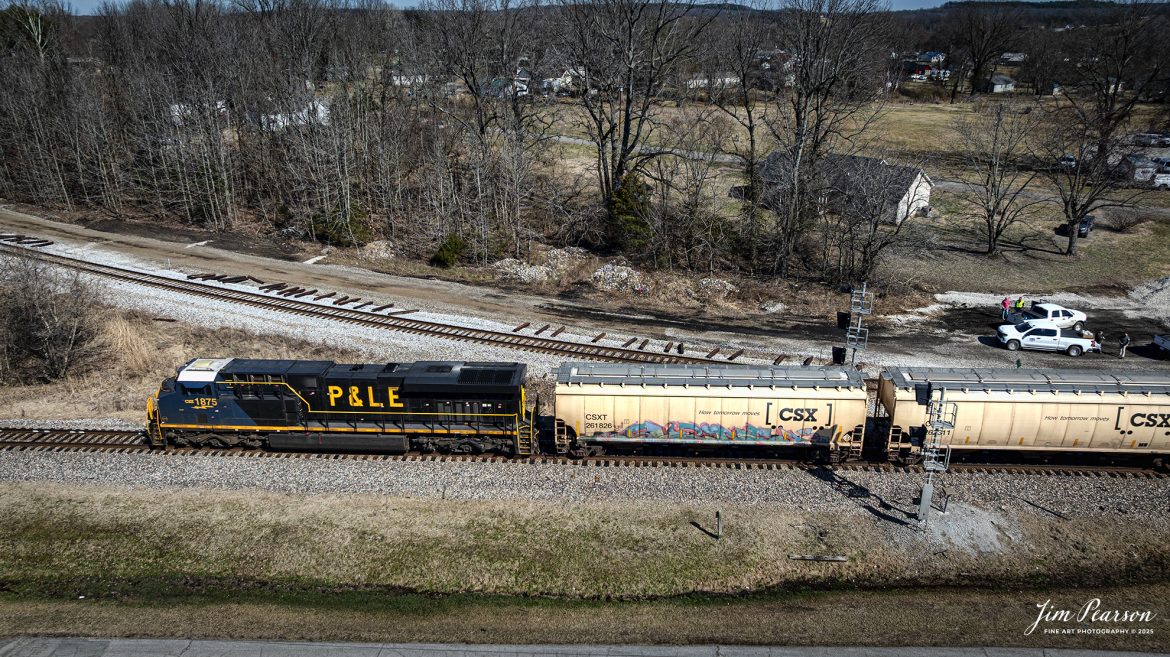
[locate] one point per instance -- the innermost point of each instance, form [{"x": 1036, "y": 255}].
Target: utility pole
[{"x": 936, "y": 457}]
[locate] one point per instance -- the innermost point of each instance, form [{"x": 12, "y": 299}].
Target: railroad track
[
  {"x": 388, "y": 321},
  {"x": 125, "y": 442}
]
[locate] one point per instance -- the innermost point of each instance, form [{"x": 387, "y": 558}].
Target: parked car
[
  {"x": 1162, "y": 180},
  {"x": 1040, "y": 335},
  {"x": 1067, "y": 162},
  {"x": 1151, "y": 139},
  {"x": 1050, "y": 312},
  {"x": 1086, "y": 226}
]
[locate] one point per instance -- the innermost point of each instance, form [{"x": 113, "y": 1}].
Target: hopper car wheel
[
  {"x": 1013, "y": 345},
  {"x": 1075, "y": 351}
]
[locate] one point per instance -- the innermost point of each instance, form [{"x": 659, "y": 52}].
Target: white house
[
  {"x": 1000, "y": 84},
  {"x": 850, "y": 181}
]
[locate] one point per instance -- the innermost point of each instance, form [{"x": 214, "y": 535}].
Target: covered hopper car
[
  {"x": 1029, "y": 410},
  {"x": 614, "y": 407}
]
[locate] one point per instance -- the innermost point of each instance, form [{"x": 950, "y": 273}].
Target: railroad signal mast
[
  {"x": 856, "y": 335},
  {"x": 936, "y": 457}
]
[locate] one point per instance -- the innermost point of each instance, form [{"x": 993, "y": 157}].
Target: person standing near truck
[
  {"x": 1124, "y": 342},
  {"x": 1020, "y": 305},
  {"x": 1007, "y": 305}
]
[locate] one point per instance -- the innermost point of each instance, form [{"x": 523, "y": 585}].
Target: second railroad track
[{"x": 391, "y": 321}]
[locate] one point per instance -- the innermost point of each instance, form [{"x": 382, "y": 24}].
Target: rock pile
[
  {"x": 511, "y": 269},
  {"x": 716, "y": 288},
  {"x": 617, "y": 278}
]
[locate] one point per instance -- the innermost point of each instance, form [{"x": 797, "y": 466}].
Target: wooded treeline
[{"x": 440, "y": 128}]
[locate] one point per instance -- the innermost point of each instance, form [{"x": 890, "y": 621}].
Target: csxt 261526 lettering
[{"x": 286, "y": 404}]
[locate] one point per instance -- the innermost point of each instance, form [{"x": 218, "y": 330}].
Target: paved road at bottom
[{"x": 77, "y": 647}]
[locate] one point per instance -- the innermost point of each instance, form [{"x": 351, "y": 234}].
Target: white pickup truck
[
  {"x": 1059, "y": 315},
  {"x": 1044, "y": 336}
]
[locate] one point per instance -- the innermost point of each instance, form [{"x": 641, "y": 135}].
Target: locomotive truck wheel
[
  {"x": 1013, "y": 345},
  {"x": 1075, "y": 351}
]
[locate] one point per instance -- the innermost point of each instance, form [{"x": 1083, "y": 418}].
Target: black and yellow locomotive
[{"x": 457, "y": 407}]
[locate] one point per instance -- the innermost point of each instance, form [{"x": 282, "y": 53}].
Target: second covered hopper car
[{"x": 1029, "y": 410}]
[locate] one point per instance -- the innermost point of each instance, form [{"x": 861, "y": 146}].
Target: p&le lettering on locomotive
[{"x": 602, "y": 408}]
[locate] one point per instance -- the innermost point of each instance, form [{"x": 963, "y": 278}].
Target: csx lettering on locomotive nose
[
  {"x": 798, "y": 415},
  {"x": 1150, "y": 420},
  {"x": 369, "y": 397}
]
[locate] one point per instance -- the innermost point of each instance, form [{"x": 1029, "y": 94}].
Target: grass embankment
[
  {"x": 59, "y": 541},
  {"x": 249, "y": 565}
]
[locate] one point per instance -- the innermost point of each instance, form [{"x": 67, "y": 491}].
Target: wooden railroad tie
[
  {"x": 234, "y": 279},
  {"x": 558, "y": 331},
  {"x": 520, "y": 327},
  {"x": 598, "y": 337},
  {"x": 304, "y": 293},
  {"x": 642, "y": 347},
  {"x": 680, "y": 347},
  {"x": 347, "y": 300},
  {"x": 381, "y": 308},
  {"x": 807, "y": 361},
  {"x": 669, "y": 346},
  {"x": 190, "y": 277},
  {"x": 735, "y": 355},
  {"x": 255, "y": 280},
  {"x": 711, "y": 354},
  {"x": 629, "y": 342},
  {"x": 323, "y": 296},
  {"x": 363, "y": 305},
  {"x": 272, "y": 287},
  {"x": 780, "y": 359},
  {"x": 542, "y": 329}
]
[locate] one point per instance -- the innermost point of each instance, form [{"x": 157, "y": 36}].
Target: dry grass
[
  {"x": 139, "y": 352},
  {"x": 947, "y": 255},
  {"x": 253, "y": 565},
  {"x": 105, "y": 542}
]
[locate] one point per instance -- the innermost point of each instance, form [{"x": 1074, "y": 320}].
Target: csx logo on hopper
[
  {"x": 798, "y": 415},
  {"x": 356, "y": 399},
  {"x": 1150, "y": 420}
]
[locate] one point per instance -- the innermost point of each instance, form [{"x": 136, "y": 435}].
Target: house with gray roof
[{"x": 856, "y": 184}]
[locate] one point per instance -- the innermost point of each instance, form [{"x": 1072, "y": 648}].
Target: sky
[{"x": 90, "y": 6}]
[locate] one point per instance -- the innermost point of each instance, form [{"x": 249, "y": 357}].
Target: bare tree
[
  {"x": 49, "y": 321},
  {"x": 834, "y": 78},
  {"x": 992, "y": 144},
  {"x": 741, "y": 82},
  {"x": 623, "y": 51},
  {"x": 1107, "y": 72},
  {"x": 980, "y": 32}
]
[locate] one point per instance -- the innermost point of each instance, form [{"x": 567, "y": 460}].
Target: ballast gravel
[
  {"x": 862, "y": 493},
  {"x": 91, "y": 424}
]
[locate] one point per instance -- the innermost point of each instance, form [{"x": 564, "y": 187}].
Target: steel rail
[
  {"x": 390, "y": 321},
  {"x": 127, "y": 442}
]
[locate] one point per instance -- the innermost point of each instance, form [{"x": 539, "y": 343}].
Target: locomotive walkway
[{"x": 70, "y": 647}]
